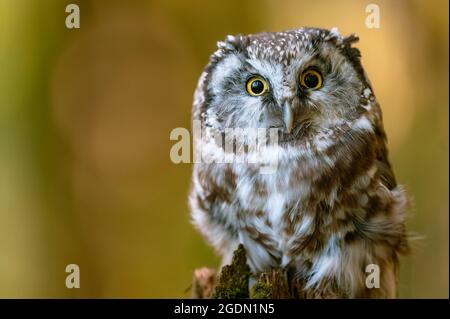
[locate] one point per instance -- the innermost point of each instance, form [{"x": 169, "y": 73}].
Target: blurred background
[{"x": 85, "y": 118}]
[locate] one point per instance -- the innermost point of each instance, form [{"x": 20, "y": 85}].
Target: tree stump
[{"x": 233, "y": 282}]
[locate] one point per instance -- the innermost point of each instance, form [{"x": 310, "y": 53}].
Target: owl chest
[{"x": 273, "y": 217}]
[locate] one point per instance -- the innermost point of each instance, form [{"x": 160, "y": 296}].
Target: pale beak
[{"x": 288, "y": 117}]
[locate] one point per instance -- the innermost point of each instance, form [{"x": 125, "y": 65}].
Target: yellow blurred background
[{"x": 85, "y": 117}]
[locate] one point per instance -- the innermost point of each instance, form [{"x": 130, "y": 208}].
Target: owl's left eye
[
  {"x": 311, "y": 79},
  {"x": 256, "y": 86}
]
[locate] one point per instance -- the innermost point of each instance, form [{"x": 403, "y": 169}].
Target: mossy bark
[{"x": 233, "y": 282}]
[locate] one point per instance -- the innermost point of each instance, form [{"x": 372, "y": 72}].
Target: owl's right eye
[{"x": 256, "y": 86}]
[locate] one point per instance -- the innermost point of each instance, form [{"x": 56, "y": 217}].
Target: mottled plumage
[{"x": 333, "y": 206}]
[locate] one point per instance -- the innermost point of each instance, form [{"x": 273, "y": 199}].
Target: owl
[{"x": 331, "y": 213}]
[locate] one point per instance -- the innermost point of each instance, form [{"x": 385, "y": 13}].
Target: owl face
[{"x": 300, "y": 81}]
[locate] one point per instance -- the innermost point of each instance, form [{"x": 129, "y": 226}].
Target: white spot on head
[{"x": 334, "y": 33}]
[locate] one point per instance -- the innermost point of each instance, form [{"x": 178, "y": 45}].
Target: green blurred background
[{"x": 85, "y": 117}]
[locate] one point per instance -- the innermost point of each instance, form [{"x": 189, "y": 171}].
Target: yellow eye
[
  {"x": 256, "y": 86},
  {"x": 311, "y": 79}
]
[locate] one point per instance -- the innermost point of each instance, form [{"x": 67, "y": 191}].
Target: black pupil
[
  {"x": 311, "y": 80},
  {"x": 257, "y": 87}
]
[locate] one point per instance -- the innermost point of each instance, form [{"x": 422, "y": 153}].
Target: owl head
[{"x": 300, "y": 81}]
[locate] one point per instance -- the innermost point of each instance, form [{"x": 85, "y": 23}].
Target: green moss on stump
[
  {"x": 271, "y": 285},
  {"x": 233, "y": 282},
  {"x": 261, "y": 290},
  {"x": 234, "y": 279}
]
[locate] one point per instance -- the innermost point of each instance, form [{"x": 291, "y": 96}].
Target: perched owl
[{"x": 332, "y": 206}]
